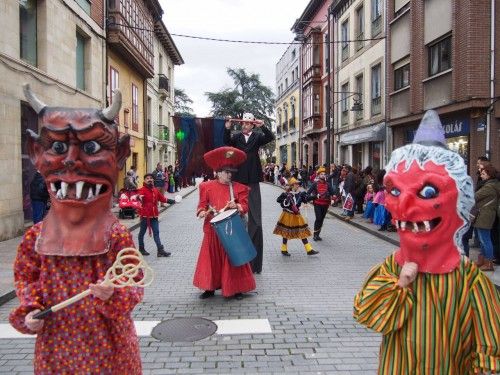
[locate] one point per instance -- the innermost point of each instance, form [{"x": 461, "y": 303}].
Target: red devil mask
[
  {"x": 429, "y": 195},
  {"x": 79, "y": 153}
]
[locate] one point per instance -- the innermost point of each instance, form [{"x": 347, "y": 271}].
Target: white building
[
  {"x": 359, "y": 92},
  {"x": 160, "y": 100}
]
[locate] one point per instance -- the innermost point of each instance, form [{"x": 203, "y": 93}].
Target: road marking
[{"x": 144, "y": 328}]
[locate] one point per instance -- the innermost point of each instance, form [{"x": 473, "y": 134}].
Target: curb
[{"x": 6, "y": 297}]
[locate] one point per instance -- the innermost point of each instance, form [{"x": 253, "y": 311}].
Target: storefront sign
[{"x": 452, "y": 128}]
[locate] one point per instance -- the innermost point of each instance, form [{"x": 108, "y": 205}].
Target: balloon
[{"x": 178, "y": 198}]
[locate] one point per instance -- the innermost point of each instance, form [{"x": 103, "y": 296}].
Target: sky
[{"x": 206, "y": 62}]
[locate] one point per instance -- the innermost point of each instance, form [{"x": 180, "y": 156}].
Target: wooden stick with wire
[
  {"x": 255, "y": 122},
  {"x": 129, "y": 269}
]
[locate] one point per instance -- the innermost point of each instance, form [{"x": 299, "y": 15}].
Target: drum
[{"x": 234, "y": 237}]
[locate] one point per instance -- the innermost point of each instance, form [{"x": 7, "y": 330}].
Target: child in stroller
[{"x": 128, "y": 203}]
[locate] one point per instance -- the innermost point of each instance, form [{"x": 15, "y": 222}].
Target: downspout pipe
[{"x": 489, "y": 112}]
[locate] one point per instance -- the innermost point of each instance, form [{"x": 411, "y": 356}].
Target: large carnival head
[
  {"x": 225, "y": 161},
  {"x": 429, "y": 196},
  {"x": 79, "y": 152}
]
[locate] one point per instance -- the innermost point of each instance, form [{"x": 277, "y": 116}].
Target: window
[
  {"x": 286, "y": 82},
  {"x": 360, "y": 28},
  {"x": 344, "y": 104},
  {"x": 113, "y": 85},
  {"x": 292, "y": 116},
  {"x": 293, "y": 76},
  {"x": 376, "y": 90},
  {"x": 293, "y": 54},
  {"x": 402, "y": 77},
  {"x": 135, "y": 108},
  {"x": 81, "y": 41},
  {"x": 160, "y": 64},
  {"x": 27, "y": 31},
  {"x": 148, "y": 117},
  {"x": 440, "y": 56},
  {"x": 376, "y": 17},
  {"x": 316, "y": 104},
  {"x": 85, "y": 5},
  {"x": 345, "y": 40}
]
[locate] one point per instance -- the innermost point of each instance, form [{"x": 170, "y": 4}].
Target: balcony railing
[
  {"x": 376, "y": 105},
  {"x": 163, "y": 85},
  {"x": 345, "y": 52},
  {"x": 163, "y": 133},
  {"x": 359, "y": 41},
  {"x": 377, "y": 26},
  {"x": 345, "y": 117}
]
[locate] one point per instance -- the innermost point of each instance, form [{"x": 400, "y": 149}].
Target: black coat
[
  {"x": 38, "y": 188},
  {"x": 250, "y": 171}
]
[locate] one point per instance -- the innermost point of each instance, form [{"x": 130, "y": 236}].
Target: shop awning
[{"x": 373, "y": 133}]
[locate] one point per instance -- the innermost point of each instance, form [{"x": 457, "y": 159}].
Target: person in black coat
[
  {"x": 39, "y": 196},
  {"x": 250, "y": 174}
]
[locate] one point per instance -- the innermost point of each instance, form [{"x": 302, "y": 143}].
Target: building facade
[
  {"x": 443, "y": 55},
  {"x": 311, "y": 28},
  {"x": 287, "y": 107},
  {"x": 160, "y": 100},
  {"x": 130, "y": 63},
  {"x": 359, "y": 91},
  {"x": 58, "y": 47}
]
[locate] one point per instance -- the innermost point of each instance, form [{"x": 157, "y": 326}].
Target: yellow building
[
  {"x": 131, "y": 115},
  {"x": 130, "y": 63}
]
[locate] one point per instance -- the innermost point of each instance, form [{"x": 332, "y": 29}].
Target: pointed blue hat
[{"x": 430, "y": 132}]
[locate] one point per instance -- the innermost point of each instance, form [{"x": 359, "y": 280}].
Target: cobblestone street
[{"x": 307, "y": 300}]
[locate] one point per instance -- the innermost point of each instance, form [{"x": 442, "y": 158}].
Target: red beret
[{"x": 225, "y": 158}]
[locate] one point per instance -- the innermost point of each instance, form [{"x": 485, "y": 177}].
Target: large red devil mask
[
  {"x": 429, "y": 196},
  {"x": 79, "y": 153}
]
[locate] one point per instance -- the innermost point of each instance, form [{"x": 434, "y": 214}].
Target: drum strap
[{"x": 231, "y": 191}]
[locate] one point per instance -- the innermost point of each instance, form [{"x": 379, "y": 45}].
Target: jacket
[
  {"x": 150, "y": 199},
  {"x": 287, "y": 202},
  {"x": 38, "y": 188},
  {"x": 250, "y": 171},
  {"x": 324, "y": 199},
  {"x": 487, "y": 202},
  {"x": 159, "y": 178}
]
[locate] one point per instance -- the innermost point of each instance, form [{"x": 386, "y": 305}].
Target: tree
[
  {"x": 247, "y": 95},
  {"x": 181, "y": 103}
]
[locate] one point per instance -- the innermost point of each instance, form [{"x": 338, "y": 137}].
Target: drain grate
[{"x": 184, "y": 329}]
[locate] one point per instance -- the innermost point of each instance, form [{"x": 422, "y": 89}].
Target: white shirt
[{"x": 247, "y": 136}]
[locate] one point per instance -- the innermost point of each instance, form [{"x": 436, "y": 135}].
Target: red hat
[{"x": 225, "y": 158}]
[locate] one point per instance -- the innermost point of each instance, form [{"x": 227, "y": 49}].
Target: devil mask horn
[
  {"x": 109, "y": 113},
  {"x": 35, "y": 103}
]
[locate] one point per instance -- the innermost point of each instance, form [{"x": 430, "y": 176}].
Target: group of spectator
[
  {"x": 361, "y": 191},
  {"x": 165, "y": 179}
]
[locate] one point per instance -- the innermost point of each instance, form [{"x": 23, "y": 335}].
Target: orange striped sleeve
[{"x": 485, "y": 301}]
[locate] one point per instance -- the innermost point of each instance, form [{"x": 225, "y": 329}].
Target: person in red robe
[
  {"x": 213, "y": 270},
  {"x": 79, "y": 153}
]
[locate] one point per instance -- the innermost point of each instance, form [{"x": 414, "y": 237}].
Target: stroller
[{"x": 128, "y": 203}]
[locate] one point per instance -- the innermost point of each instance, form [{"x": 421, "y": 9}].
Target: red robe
[
  {"x": 90, "y": 336},
  {"x": 213, "y": 270}
]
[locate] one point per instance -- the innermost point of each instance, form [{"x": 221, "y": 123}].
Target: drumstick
[
  {"x": 247, "y": 121},
  {"x": 119, "y": 275}
]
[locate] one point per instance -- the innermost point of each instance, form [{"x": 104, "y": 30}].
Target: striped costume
[{"x": 443, "y": 324}]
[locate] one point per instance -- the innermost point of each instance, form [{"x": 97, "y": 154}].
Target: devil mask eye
[
  {"x": 395, "y": 192},
  {"x": 59, "y": 147},
  {"x": 428, "y": 192},
  {"x": 91, "y": 147}
]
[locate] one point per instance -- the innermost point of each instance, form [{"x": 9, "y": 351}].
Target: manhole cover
[{"x": 184, "y": 329}]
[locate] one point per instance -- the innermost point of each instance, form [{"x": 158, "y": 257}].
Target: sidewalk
[
  {"x": 8, "y": 248},
  {"x": 359, "y": 222}
]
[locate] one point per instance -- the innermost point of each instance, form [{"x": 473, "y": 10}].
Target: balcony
[
  {"x": 134, "y": 46},
  {"x": 163, "y": 134},
  {"x": 163, "y": 86},
  {"x": 377, "y": 26},
  {"x": 359, "y": 41},
  {"x": 376, "y": 105}
]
